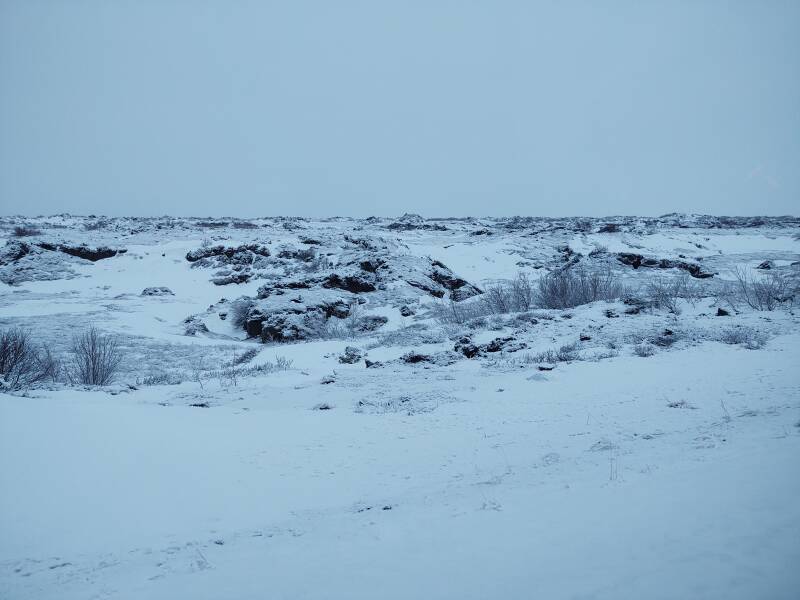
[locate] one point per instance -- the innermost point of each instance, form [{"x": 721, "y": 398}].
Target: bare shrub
[
  {"x": 22, "y": 363},
  {"x": 497, "y": 299},
  {"x": 522, "y": 293},
  {"x": 25, "y": 230},
  {"x": 667, "y": 292},
  {"x": 574, "y": 287},
  {"x": 282, "y": 363},
  {"x": 95, "y": 358},
  {"x": 644, "y": 349},
  {"x": 161, "y": 378},
  {"x": 232, "y": 374},
  {"x": 743, "y": 336},
  {"x": 239, "y": 310},
  {"x": 246, "y": 356},
  {"x": 50, "y": 366},
  {"x": 759, "y": 292},
  {"x": 565, "y": 353}
]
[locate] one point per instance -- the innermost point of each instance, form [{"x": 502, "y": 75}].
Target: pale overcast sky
[{"x": 378, "y": 107}]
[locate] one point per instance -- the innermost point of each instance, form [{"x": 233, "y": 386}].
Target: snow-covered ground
[{"x": 659, "y": 459}]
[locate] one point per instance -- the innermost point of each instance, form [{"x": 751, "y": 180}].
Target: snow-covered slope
[{"x": 616, "y": 449}]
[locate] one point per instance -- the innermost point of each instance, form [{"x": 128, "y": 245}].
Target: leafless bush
[
  {"x": 25, "y": 230},
  {"x": 231, "y": 374},
  {"x": 667, "y": 292},
  {"x": 497, "y": 299},
  {"x": 759, "y": 292},
  {"x": 95, "y": 358},
  {"x": 246, "y": 356},
  {"x": 239, "y": 309},
  {"x": 282, "y": 363},
  {"x": 565, "y": 353},
  {"x": 22, "y": 363},
  {"x": 161, "y": 378},
  {"x": 522, "y": 293},
  {"x": 573, "y": 287},
  {"x": 644, "y": 349},
  {"x": 743, "y": 336}
]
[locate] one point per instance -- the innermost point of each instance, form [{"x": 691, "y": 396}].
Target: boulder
[
  {"x": 407, "y": 311},
  {"x": 355, "y": 284},
  {"x": 350, "y": 356},
  {"x": 157, "y": 291},
  {"x": 193, "y": 324},
  {"x": 415, "y": 357},
  {"x": 466, "y": 347}
]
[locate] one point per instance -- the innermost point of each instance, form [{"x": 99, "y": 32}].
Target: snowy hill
[{"x": 410, "y": 407}]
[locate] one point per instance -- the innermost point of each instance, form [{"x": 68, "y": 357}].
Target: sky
[{"x": 442, "y": 108}]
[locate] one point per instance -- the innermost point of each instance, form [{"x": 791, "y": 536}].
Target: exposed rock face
[
  {"x": 426, "y": 287},
  {"x": 13, "y": 251},
  {"x": 766, "y": 265},
  {"x": 287, "y": 327},
  {"x": 350, "y": 283},
  {"x": 83, "y": 251},
  {"x": 637, "y": 260},
  {"x": 229, "y": 254},
  {"x": 230, "y": 277},
  {"x": 92, "y": 254},
  {"x": 460, "y": 289}
]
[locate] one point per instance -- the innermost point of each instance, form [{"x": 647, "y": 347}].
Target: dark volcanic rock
[
  {"x": 466, "y": 347},
  {"x": 243, "y": 254},
  {"x": 407, "y": 311},
  {"x": 350, "y": 356},
  {"x": 84, "y": 251},
  {"x": 157, "y": 291},
  {"x": 637, "y": 260},
  {"x": 237, "y": 277},
  {"x": 339, "y": 309},
  {"x": 350, "y": 283},
  {"x": 415, "y": 357},
  {"x": 507, "y": 344},
  {"x": 13, "y": 251},
  {"x": 286, "y": 327},
  {"x": 426, "y": 287},
  {"x": 93, "y": 254}
]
